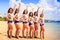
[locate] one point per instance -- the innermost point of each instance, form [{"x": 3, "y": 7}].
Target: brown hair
[
  {"x": 41, "y": 15},
  {"x": 36, "y": 13},
  {"x": 25, "y": 11},
  {"x": 9, "y": 10},
  {"x": 15, "y": 11},
  {"x": 30, "y": 13}
]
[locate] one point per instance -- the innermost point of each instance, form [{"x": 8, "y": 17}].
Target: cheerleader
[
  {"x": 9, "y": 17},
  {"x": 41, "y": 21},
  {"x": 16, "y": 21},
  {"x": 24, "y": 17},
  {"x": 36, "y": 23},
  {"x": 31, "y": 24}
]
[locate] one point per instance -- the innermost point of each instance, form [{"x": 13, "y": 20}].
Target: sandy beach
[{"x": 3, "y": 33}]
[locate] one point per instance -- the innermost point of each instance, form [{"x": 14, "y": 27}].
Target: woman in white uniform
[
  {"x": 9, "y": 17},
  {"x": 16, "y": 21},
  {"x": 36, "y": 23},
  {"x": 41, "y": 22},
  {"x": 24, "y": 17},
  {"x": 31, "y": 25}
]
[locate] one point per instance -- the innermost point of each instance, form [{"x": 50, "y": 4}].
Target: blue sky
[
  {"x": 52, "y": 7},
  {"x": 58, "y": 0},
  {"x": 4, "y": 5},
  {"x": 30, "y": 1}
]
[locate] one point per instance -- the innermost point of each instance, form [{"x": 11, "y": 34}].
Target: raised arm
[
  {"x": 14, "y": 6},
  {"x": 38, "y": 9},
  {"x": 32, "y": 9},
  {"x": 19, "y": 5},
  {"x": 42, "y": 11},
  {"x": 26, "y": 7}
]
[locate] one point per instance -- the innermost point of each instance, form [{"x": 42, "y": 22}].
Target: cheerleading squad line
[{"x": 30, "y": 22}]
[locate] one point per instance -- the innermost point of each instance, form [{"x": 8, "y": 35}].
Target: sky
[{"x": 51, "y": 7}]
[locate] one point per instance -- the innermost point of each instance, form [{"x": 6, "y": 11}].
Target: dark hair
[
  {"x": 15, "y": 11},
  {"x": 36, "y": 13},
  {"x": 41, "y": 15},
  {"x": 30, "y": 13},
  {"x": 9, "y": 10},
  {"x": 25, "y": 11}
]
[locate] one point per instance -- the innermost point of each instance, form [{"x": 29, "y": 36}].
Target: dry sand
[{"x": 3, "y": 33}]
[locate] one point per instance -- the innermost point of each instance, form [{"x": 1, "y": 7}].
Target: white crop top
[
  {"x": 24, "y": 18},
  {"x": 35, "y": 19},
  {"x": 16, "y": 17},
  {"x": 31, "y": 20}
]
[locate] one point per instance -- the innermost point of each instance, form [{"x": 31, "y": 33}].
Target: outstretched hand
[
  {"x": 19, "y": 4},
  {"x": 14, "y": 5},
  {"x": 38, "y": 8},
  {"x": 42, "y": 10},
  {"x": 26, "y": 7},
  {"x": 32, "y": 9}
]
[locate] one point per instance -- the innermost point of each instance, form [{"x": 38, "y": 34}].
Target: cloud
[
  {"x": 41, "y": 4},
  {"x": 51, "y": 8},
  {"x": 56, "y": 9}
]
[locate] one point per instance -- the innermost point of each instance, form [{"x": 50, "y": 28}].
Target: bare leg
[
  {"x": 23, "y": 31},
  {"x": 36, "y": 33},
  {"x": 30, "y": 32},
  {"x": 40, "y": 34},
  {"x": 27, "y": 33},
  {"x": 10, "y": 33},
  {"x": 43, "y": 34},
  {"x": 18, "y": 31},
  {"x": 36, "y": 30},
  {"x": 11, "y": 28}
]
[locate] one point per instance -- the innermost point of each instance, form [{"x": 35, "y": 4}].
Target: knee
[
  {"x": 11, "y": 28},
  {"x": 36, "y": 30},
  {"x": 17, "y": 30},
  {"x": 33, "y": 31},
  {"x": 27, "y": 31},
  {"x": 42, "y": 31}
]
